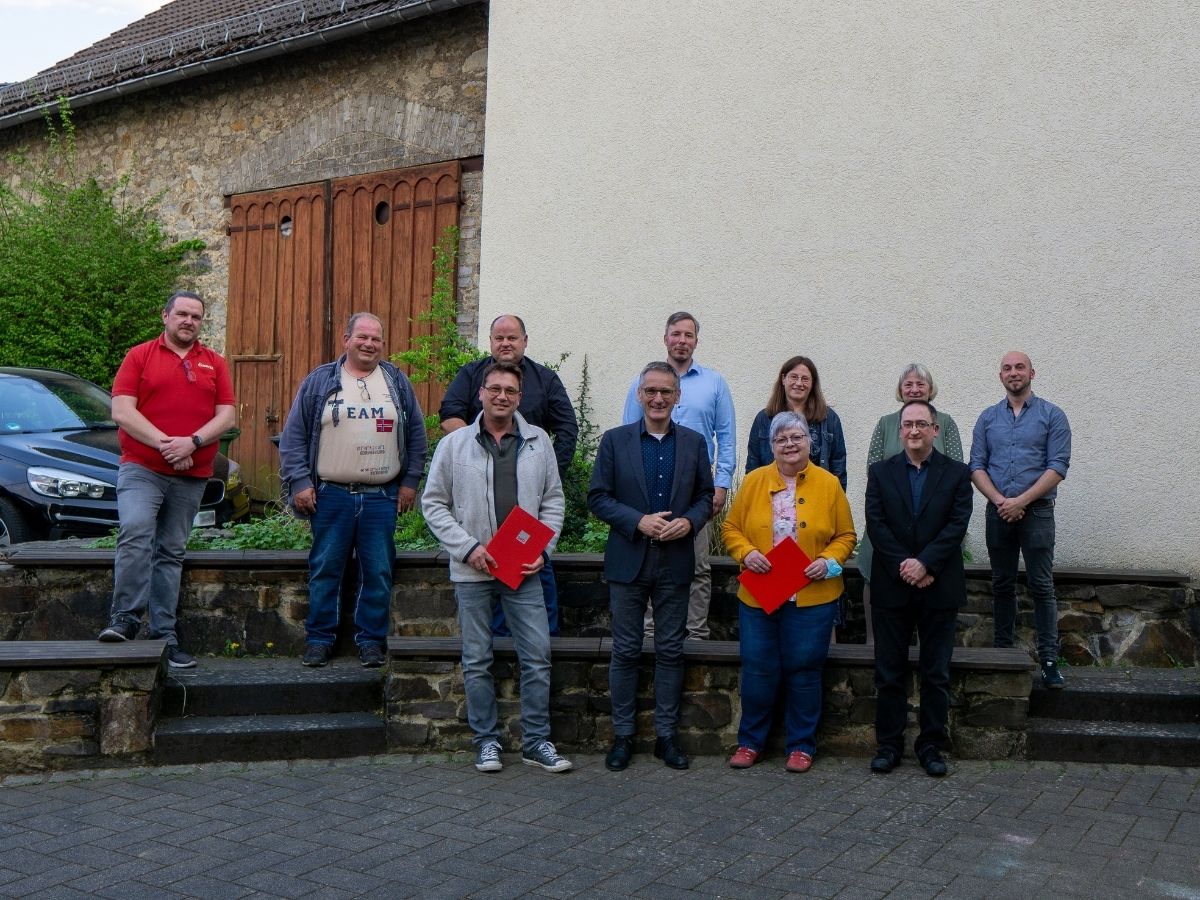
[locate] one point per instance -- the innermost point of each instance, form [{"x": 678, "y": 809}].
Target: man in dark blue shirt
[
  {"x": 1020, "y": 451},
  {"x": 544, "y": 403},
  {"x": 653, "y": 485}
]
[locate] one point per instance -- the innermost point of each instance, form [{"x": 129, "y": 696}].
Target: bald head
[
  {"x": 508, "y": 339},
  {"x": 1016, "y": 374}
]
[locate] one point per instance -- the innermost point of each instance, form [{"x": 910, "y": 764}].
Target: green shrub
[{"x": 84, "y": 272}]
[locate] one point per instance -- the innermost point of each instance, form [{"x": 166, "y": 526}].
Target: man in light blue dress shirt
[
  {"x": 1020, "y": 451},
  {"x": 706, "y": 406}
]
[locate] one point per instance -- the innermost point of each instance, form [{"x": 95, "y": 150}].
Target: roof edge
[{"x": 239, "y": 58}]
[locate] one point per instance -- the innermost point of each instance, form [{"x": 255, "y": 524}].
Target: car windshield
[{"x": 51, "y": 401}]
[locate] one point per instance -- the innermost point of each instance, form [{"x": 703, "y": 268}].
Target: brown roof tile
[{"x": 185, "y": 32}]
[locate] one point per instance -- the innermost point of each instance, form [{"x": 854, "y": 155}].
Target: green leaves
[{"x": 83, "y": 273}]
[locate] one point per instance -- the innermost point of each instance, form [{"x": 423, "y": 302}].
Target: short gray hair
[
  {"x": 788, "y": 419},
  {"x": 361, "y": 315},
  {"x": 920, "y": 370},
  {"x": 659, "y": 366}
]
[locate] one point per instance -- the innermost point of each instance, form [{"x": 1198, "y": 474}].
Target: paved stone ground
[{"x": 433, "y": 827}]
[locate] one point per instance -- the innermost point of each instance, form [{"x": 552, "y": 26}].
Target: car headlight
[{"x": 57, "y": 483}]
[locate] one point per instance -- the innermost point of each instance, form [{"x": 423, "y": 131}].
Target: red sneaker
[
  {"x": 743, "y": 758},
  {"x": 798, "y": 761}
]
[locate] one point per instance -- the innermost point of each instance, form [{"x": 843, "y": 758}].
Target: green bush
[{"x": 84, "y": 271}]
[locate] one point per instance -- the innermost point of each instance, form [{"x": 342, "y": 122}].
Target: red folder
[
  {"x": 786, "y": 577},
  {"x": 518, "y": 541}
]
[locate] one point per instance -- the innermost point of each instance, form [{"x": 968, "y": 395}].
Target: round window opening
[
  {"x": 383, "y": 212},
  {"x": 285, "y": 227}
]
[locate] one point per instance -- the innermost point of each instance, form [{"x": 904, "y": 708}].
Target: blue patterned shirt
[{"x": 658, "y": 464}]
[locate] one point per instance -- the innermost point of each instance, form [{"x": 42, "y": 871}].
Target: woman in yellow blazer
[{"x": 790, "y": 497}]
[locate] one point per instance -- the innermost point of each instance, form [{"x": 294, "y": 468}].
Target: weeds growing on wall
[{"x": 84, "y": 270}]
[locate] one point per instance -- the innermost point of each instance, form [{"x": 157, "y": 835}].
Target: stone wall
[
  {"x": 224, "y": 597},
  {"x": 66, "y": 718},
  {"x": 402, "y": 96},
  {"x": 426, "y": 708}
]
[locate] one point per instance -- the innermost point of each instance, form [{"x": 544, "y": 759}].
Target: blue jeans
[
  {"x": 893, "y": 630},
  {"x": 627, "y": 602},
  {"x": 1032, "y": 536},
  {"x": 549, "y": 594},
  {"x": 343, "y": 522},
  {"x": 156, "y": 513},
  {"x": 526, "y": 615},
  {"x": 789, "y": 647}
]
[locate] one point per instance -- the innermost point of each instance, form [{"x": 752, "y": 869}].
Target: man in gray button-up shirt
[{"x": 1020, "y": 451}]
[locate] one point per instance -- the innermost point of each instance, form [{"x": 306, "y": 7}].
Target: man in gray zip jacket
[
  {"x": 351, "y": 456},
  {"x": 479, "y": 475}
]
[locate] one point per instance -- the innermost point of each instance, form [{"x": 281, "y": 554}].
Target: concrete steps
[
  {"x": 257, "y": 709},
  {"x": 1143, "y": 716}
]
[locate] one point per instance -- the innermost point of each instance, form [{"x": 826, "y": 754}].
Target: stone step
[
  {"x": 1142, "y": 743},
  {"x": 246, "y": 738},
  {"x": 233, "y": 687},
  {"x": 1121, "y": 695}
]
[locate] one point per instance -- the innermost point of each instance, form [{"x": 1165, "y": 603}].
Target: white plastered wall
[{"x": 868, "y": 183}]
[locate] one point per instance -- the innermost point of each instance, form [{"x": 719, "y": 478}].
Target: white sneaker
[
  {"x": 547, "y": 757},
  {"x": 488, "y": 759}
]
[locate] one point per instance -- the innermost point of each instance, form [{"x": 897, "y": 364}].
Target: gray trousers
[{"x": 156, "y": 513}]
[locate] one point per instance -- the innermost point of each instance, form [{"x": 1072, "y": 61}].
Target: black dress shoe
[
  {"x": 668, "y": 750},
  {"x": 885, "y": 760},
  {"x": 933, "y": 763},
  {"x": 621, "y": 754}
]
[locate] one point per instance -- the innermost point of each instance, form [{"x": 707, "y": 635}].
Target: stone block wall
[
  {"x": 76, "y": 717},
  {"x": 426, "y": 709},
  {"x": 1100, "y": 623}
]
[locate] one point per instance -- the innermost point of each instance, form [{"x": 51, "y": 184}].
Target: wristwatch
[{"x": 196, "y": 440}]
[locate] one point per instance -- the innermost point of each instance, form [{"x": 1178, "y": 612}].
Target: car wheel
[{"x": 13, "y": 527}]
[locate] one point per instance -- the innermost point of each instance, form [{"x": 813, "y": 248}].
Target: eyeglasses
[
  {"x": 665, "y": 393},
  {"x": 494, "y": 390},
  {"x": 921, "y": 425},
  {"x": 362, "y": 388},
  {"x": 187, "y": 370},
  {"x": 790, "y": 441},
  {"x": 797, "y": 379}
]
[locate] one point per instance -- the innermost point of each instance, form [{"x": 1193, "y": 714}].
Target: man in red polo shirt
[{"x": 173, "y": 399}]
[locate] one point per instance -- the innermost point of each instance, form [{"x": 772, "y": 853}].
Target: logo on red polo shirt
[{"x": 384, "y": 425}]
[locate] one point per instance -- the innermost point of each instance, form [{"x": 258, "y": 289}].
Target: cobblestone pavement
[{"x": 434, "y": 827}]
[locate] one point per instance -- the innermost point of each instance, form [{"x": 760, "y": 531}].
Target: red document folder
[
  {"x": 772, "y": 590},
  {"x": 519, "y": 540}
]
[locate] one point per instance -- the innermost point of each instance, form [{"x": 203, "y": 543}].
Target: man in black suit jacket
[
  {"x": 918, "y": 508},
  {"x": 652, "y": 483}
]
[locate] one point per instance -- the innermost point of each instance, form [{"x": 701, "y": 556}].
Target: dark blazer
[
  {"x": 934, "y": 535},
  {"x": 619, "y": 497}
]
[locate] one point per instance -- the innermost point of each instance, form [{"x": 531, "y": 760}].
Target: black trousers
[{"x": 893, "y": 630}]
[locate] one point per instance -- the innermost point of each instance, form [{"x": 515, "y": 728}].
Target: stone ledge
[
  {"x": 57, "y": 554},
  {"x": 975, "y": 659},
  {"x": 79, "y": 654}
]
